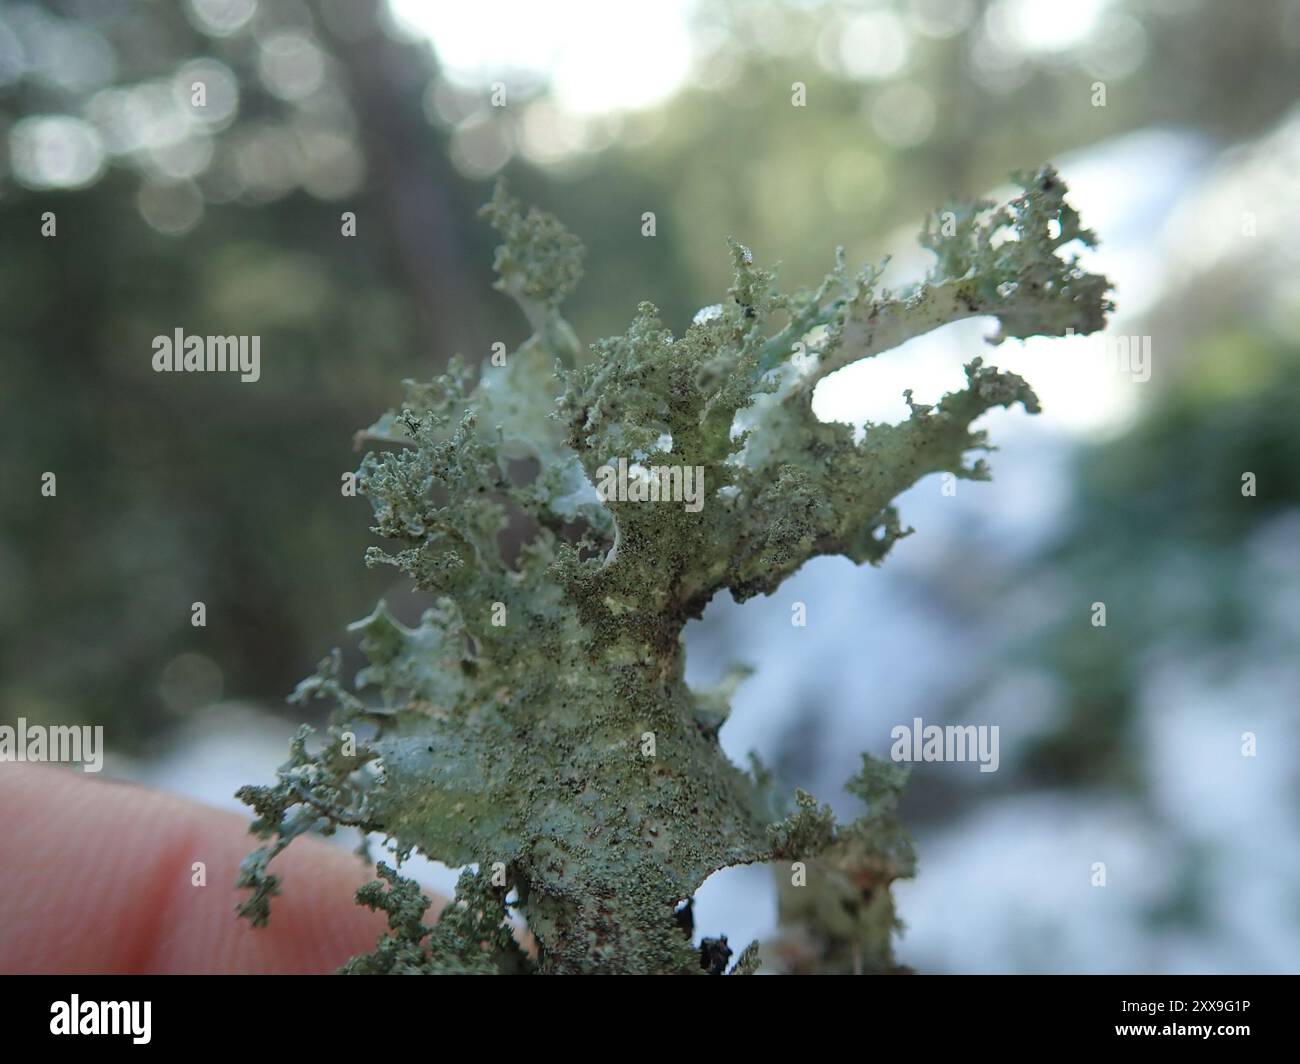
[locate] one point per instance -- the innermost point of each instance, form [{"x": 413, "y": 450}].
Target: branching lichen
[{"x": 536, "y": 723}]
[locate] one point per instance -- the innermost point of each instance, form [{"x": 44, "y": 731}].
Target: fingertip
[{"x": 106, "y": 877}]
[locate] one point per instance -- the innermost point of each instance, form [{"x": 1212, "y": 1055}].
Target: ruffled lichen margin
[{"x": 536, "y": 725}]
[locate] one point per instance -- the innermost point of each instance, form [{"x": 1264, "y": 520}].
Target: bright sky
[
  {"x": 609, "y": 55},
  {"x": 599, "y": 55}
]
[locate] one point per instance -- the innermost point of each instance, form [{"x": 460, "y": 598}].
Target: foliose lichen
[{"x": 536, "y": 725}]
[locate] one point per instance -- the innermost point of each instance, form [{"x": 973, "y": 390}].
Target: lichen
[{"x": 536, "y": 724}]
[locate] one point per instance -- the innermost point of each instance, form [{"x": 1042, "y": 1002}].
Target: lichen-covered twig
[{"x": 536, "y": 723}]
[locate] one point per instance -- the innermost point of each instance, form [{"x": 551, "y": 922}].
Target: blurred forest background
[{"x": 1120, "y": 745}]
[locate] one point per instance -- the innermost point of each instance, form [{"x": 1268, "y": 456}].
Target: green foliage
[{"x": 537, "y": 720}]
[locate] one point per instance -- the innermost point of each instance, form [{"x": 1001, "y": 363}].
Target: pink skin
[{"x": 96, "y": 877}]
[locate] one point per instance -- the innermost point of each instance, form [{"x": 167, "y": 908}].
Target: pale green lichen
[{"x": 536, "y": 723}]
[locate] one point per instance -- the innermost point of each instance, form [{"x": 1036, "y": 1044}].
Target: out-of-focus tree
[{"x": 189, "y": 166}]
